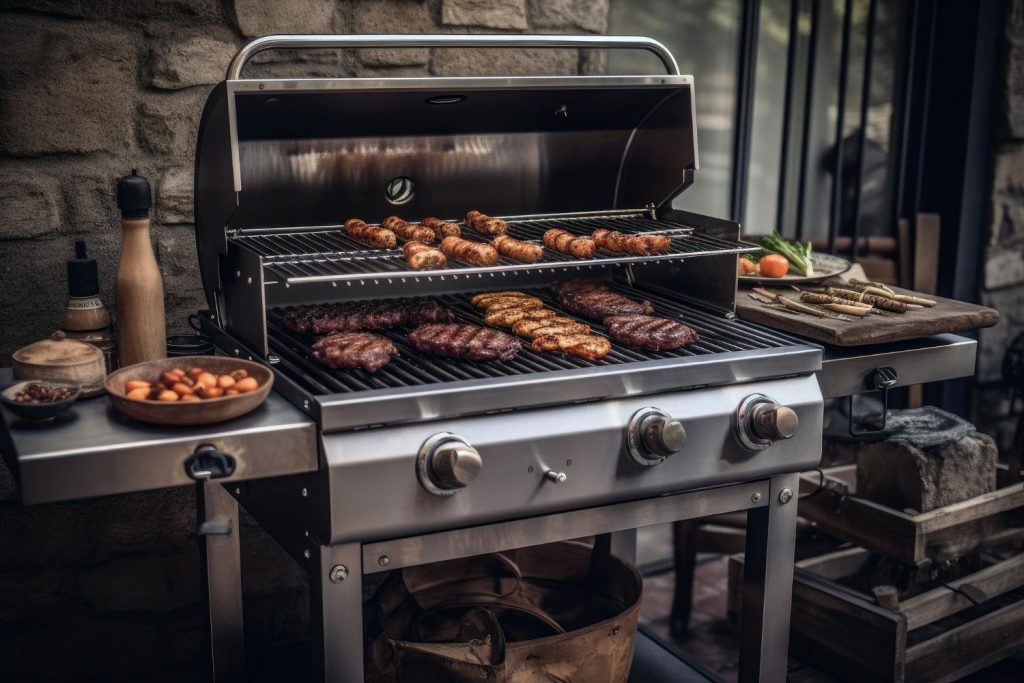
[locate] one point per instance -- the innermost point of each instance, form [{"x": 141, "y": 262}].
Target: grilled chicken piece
[
  {"x": 595, "y": 300},
  {"x": 545, "y": 326},
  {"x": 586, "y": 346},
  {"x": 407, "y": 232},
  {"x": 568, "y": 243},
  {"x": 381, "y": 238},
  {"x": 480, "y": 300},
  {"x": 506, "y": 317},
  {"x": 464, "y": 342},
  {"x": 421, "y": 257},
  {"x": 522, "y": 302},
  {"x": 364, "y": 315},
  {"x": 473, "y": 253},
  {"x": 441, "y": 228},
  {"x": 485, "y": 225},
  {"x": 637, "y": 245},
  {"x": 518, "y": 250},
  {"x": 649, "y": 332},
  {"x": 364, "y": 350}
]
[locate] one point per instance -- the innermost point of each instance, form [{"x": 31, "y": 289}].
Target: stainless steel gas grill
[{"x": 431, "y": 458}]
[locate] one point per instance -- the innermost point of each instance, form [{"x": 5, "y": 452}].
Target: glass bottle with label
[{"x": 85, "y": 317}]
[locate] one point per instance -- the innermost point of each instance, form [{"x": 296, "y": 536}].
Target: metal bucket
[{"x": 557, "y": 612}]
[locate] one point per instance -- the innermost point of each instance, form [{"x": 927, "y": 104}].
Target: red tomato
[{"x": 773, "y": 265}]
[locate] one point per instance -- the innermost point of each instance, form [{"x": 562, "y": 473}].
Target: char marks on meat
[
  {"x": 464, "y": 342},
  {"x": 586, "y": 346},
  {"x": 649, "y": 332},
  {"x": 351, "y": 350},
  {"x": 595, "y": 300},
  {"x": 364, "y": 315}
]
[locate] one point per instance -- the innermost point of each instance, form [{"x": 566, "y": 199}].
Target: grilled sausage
[
  {"x": 568, "y": 243},
  {"x": 421, "y": 257},
  {"x": 480, "y": 300},
  {"x": 557, "y": 325},
  {"x": 637, "y": 245},
  {"x": 381, "y": 238},
  {"x": 408, "y": 232},
  {"x": 518, "y": 250},
  {"x": 440, "y": 227},
  {"x": 473, "y": 253},
  {"x": 506, "y": 317},
  {"x": 586, "y": 346},
  {"x": 486, "y": 225}
]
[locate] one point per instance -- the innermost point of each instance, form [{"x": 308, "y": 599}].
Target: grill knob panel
[
  {"x": 653, "y": 435},
  {"x": 447, "y": 464},
  {"x": 761, "y": 421}
]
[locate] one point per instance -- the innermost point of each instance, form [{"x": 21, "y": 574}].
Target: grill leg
[
  {"x": 336, "y": 603},
  {"x": 768, "y": 584},
  {"x": 221, "y": 565}
]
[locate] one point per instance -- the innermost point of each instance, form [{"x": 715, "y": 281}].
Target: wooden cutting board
[{"x": 947, "y": 315}]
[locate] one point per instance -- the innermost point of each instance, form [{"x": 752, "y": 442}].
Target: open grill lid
[{"x": 315, "y": 151}]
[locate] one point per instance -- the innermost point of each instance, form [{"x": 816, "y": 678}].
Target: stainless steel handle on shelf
[{"x": 295, "y": 42}]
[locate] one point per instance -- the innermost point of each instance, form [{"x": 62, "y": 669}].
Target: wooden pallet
[
  {"x": 924, "y": 638},
  {"x": 945, "y": 533}
]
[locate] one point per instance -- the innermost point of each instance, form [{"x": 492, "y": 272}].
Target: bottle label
[{"x": 85, "y": 304}]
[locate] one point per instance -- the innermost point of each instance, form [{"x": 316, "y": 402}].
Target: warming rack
[
  {"x": 298, "y": 255},
  {"x": 718, "y": 335}
]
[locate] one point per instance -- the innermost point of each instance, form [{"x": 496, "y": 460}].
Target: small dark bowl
[{"x": 37, "y": 412}]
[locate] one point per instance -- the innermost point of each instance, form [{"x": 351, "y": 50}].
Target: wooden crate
[
  {"x": 847, "y": 634},
  {"x": 945, "y": 533}
]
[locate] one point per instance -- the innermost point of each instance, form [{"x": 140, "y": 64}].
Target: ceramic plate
[{"x": 825, "y": 266}]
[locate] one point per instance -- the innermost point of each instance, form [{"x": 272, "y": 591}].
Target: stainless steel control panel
[{"x": 404, "y": 480}]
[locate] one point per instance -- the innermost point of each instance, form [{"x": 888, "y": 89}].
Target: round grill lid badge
[{"x": 400, "y": 191}]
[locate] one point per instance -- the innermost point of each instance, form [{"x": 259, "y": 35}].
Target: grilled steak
[
  {"x": 464, "y": 342},
  {"x": 364, "y": 350},
  {"x": 364, "y": 315},
  {"x": 649, "y": 332},
  {"x": 595, "y": 300},
  {"x": 586, "y": 346}
]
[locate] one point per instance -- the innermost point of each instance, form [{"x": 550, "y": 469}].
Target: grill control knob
[
  {"x": 447, "y": 464},
  {"x": 760, "y": 421},
  {"x": 653, "y": 435}
]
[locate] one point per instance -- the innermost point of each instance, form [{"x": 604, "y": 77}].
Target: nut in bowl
[
  {"x": 38, "y": 400},
  {"x": 189, "y": 390}
]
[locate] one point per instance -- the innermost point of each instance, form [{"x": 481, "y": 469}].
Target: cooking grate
[
  {"x": 412, "y": 368},
  {"x": 325, "y": 253}
]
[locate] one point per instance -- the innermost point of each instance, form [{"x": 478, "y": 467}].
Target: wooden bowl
[
  {"x": 208, "y": 410},
  {"x": 38, "y": 412}
]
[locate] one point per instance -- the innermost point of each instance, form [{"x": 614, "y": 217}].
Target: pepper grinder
[{"x": 141, "y": 326}]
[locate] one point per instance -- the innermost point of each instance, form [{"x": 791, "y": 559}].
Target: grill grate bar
[
  {"x": 327, "y": 254},
  {"x": 412, "y": 368}
]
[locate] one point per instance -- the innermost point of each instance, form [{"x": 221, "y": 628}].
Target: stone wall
[
  {"x": 89, "y": 89},
  {"x": 1003, "y": 275}
]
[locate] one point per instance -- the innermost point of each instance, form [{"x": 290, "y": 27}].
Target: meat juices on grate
[
  {"x": 464, "y": 342},
  {"x": 649, "y": 332},
  {"x": 364, "y": 315},
  {"x": 351, "y": 350},
  {"x": 586, "y": 346},
  {"x": 595, "y": 300}
]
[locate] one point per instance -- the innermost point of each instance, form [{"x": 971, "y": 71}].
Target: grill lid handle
[{"x": 294, "y": 42}]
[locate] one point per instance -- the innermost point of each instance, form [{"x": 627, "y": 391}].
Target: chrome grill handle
[{"x": 295, "y": 42}]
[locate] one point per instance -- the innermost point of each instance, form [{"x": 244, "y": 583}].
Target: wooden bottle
[{"x": 141, "y": 328}]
